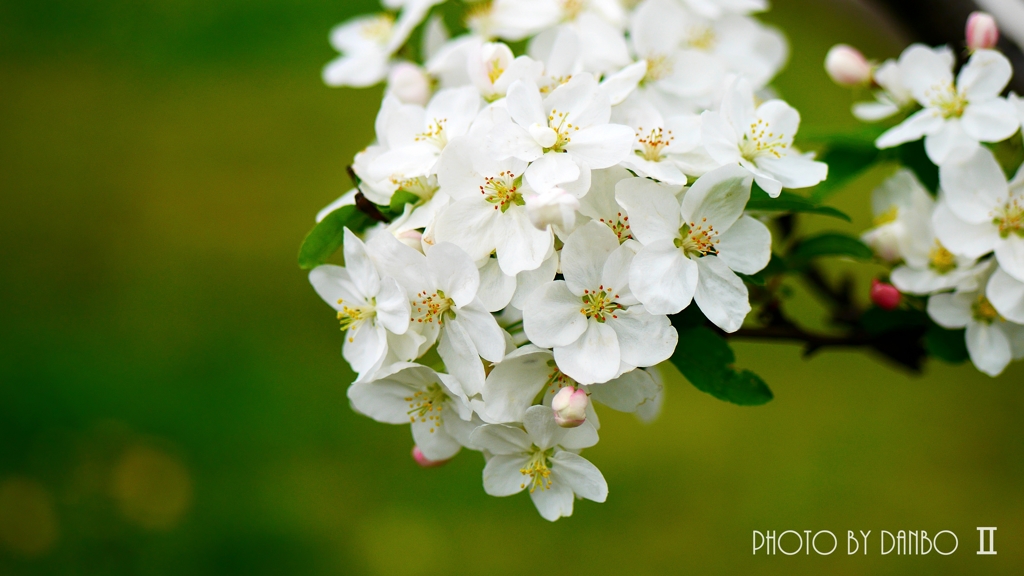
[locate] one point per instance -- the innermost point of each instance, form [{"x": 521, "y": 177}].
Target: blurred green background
[{"x": 172, "y": 393}]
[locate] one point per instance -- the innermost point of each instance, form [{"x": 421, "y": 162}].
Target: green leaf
[
  {"x": 789, "y": 202},
  {"x": 327, "y": 236},
  {"x": 846, "y": 161},
  {"x": 706, "y": 359},
  {"x": 913, "y": 156},
  {"x": 947, "y": 345},
  {"x": 400, "y": 199},
  {"x": 828, "y": 244}
]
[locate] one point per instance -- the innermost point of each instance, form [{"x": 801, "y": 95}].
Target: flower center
[
  {"x": 947, "y": 100},
  {"x": 599, "y": 304},
  {"x": 352, "y": 317},
  {"x": 888, "y": 216},
  {"x": 572, "y": 9},
  {"x": 702, "y": 38},
  {"x": 378, "y": 29},
  {"x": 619, "y": 225},
  {"x": 503, "y": 190},
  {"x": 537, "y": 469},
  {"x": 430, "y": 307},
  {"x": 758, "y": 141},
  {"x": 422, "y": 186},
  {"x": 495, "y": 69},
  {"x": 697, "y": 241},
  {"x": 940, "y": 259},
  {"x": 983, "y": 311},
  {"x": 658, "y": 66},
  {"x": 558, "y": 121},
  {"x": 1010, "y": 219},
  {"x": 435, "y": 133},
  {"x": 652, "y": 146},
  {"x": 426, "y": 405}
]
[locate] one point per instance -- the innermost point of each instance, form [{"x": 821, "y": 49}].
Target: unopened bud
[
  {"x": 555, "y": 207},
  {"x": 409, "y": 84},
  {"x": 847, "y": 66},
  {"x": 982, "y": 31},
  {"x": 411, "y": 238},
  {"x": 422, "y": 460},
  {"x": 885, "y": 296},
  {"x": 570, "y": 407}
]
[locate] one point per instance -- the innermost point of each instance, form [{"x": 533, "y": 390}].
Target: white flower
[
  {"x": 992, "y": 341},
  {"x": 442, "y": 286},
  {"x": 515, "y": 382},
  {"x": 367, "y": 43},
  {"x": 591, "y": 319},
  {"x": 600, "y": 204},
  {"x": 717, "y": 8},
  {"x": 434, "y": 404},
  {"x": 902, "y": 208},
  {"x": 369, "y": 307},
  {"x": 493, "y": 68},
  {"x": 983, "y": 213},
  {"x": 488, "y": 211},
  {"x": 955, "y": 116},
  {"x": 564, "y": 136},
  {"x": 693, "y": 250},
  {"x": 409, "y": 83},
  {"x": 417, "y": 136},
  {"x": 760, "y": 140},
  {"x": 539, "y": 460},
  {"x": 893, "y": 95},
  {"x": 905, "y": 232},
  {"x": 555, "y": 208},
  {"x": 662, "y": 145}
]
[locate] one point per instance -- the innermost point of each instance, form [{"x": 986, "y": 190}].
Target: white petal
[
  {"x": 719, "y": 197},
  {"x": 509, "y": 140},
  {"x": 552, "y": 317},
  {"x": 455, "y": 272},
  {"x": 593, "y": 357},
  {"x": 540, "y": 425},
  {"x": 644, "y": 340},
  {"x": 583, "y": 477},
  {"x": 627, "y": 392},
  {"x": 584, "y": 256},
  {"x": 663, "y": 278},
  {"x": 1010, "y": 254},
  {"x": 959, "y": 237},
  {"x": 483, "y": 329},
  {"x": 551, "y": 170},
  {"x": 529, "y": 280},
  {"x": 950, "y": 310},
  {"x": 617, "y": 87},
  {"x": 747, "y": 246},
  {"x": 502, "y": 476},
  {"x": 393, "y": 309},
  {"x": 719, "y": 138},
  {"x": 513, "y": 384},
  {"x": 874, "y": 111},
  {"x": 334, "y": 284},
  {"x": 364, "y": 346},
  {"x": 721, "y": 294},
  {"x": 357, "y": 70},
  {"x": 922, "y": 70},
  {"x": 1006, "y": 295},
  {"x": 615, "y": 276},
  {"x": 794, "y": 170},
  {"x": 384, "y": 400},
  {"x": 990, "y": 121},
  {"x": 974, "y": 186},
  {"x": 522, "y": 246},
  {"x": 469, "y": 224},
  {"x": 524, "y": 104},
  {"x": 652, "y": 209},
  {"x": 460, "y": 357},
  {"x": 949, "y": 143},
  {"x": 496, "y": 287},
  {"x": 988, "y": 347},
  {"x": 434, "y": 441},
  {"x": 919, "y": 124},
  {"x": 500, "y": 439},
  {"x": 601, "y": 146},
  {"x": 554, "y": 502},
  {"x": 985, "y": 75}
]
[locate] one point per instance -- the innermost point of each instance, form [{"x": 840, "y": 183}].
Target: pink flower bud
[
  {"x": 422, "y": 460},
  {"x": 847, "y": 66},
  {"x": 409, "y": 84},
  {"x": 570, "y": 407},
  {"x": 885, "y": 296},
  {"x": 982, "y": 31}
]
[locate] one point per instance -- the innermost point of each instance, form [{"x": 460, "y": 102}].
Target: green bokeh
[{"x": 172, "y": 388}]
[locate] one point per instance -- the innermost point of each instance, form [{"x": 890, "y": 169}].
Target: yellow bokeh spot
[
  {"x": 28, "y": 523},
  {"x": 152, "y": 488}
]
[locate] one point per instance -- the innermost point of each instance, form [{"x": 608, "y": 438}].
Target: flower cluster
[
  {"x": 559, "y": 178},
  {"x": 963, "y": 246}
]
